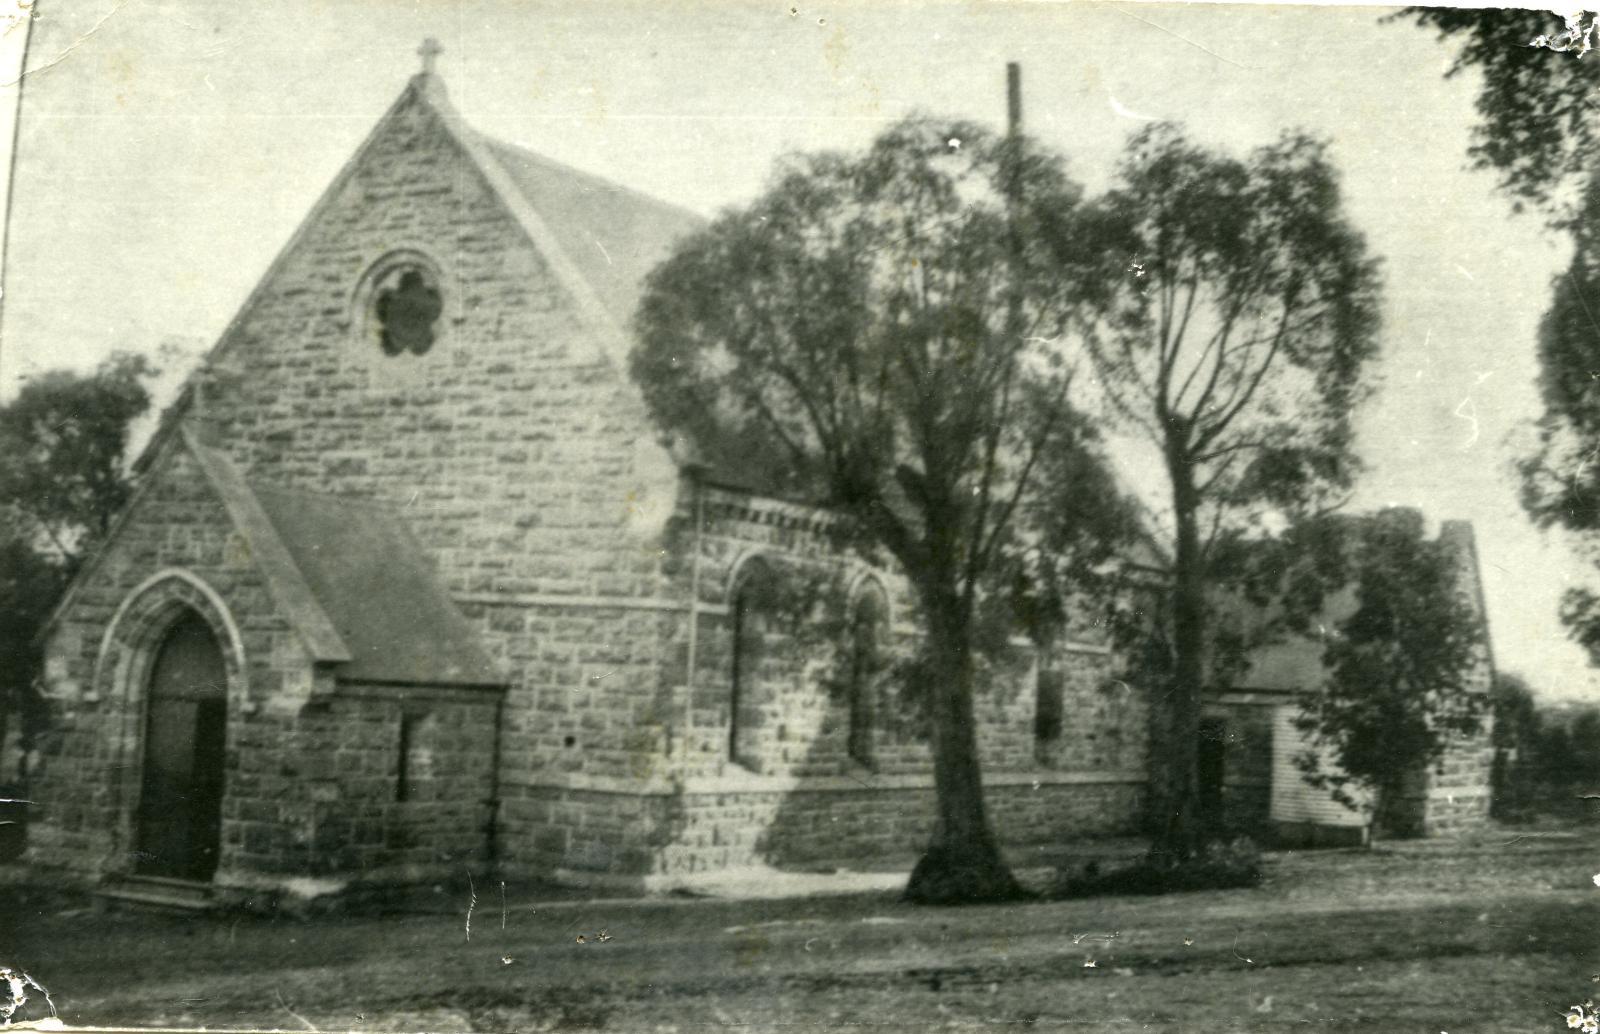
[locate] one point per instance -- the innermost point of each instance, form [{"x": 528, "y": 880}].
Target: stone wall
[
  {"x": 681, "y": 801},
  {"x": 802, "y": 726},
  {"x": 1456, "y": 794},
  {"x": 516, "y": 449},
  {"x": 86, "y": 781},
  {"x": 369, "y": 800},
  {"x": 633, "y": 836}
]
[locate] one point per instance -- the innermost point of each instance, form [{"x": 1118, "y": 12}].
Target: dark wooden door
[{"x": 180, "y": 806}]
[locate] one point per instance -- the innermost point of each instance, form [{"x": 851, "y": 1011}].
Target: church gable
[
  {"x": 178, "y": 529},
  {"x": 329, "y": 582},
  {"x": 428, "y": 340}
]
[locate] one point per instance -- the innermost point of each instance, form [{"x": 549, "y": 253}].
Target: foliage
[
  {"x": 63, "y": 450},
  {"x": 63, "y": 444},
  {"x": 30, "y": 583},
  {"x": 1560, "y": 484},
  {"x": 1399, "y": 667},
  {"x": 870, "y": 334},
  {"x": 1230, "y": 312},
  {"x": 1216, "y": 865},
  {"x": 1549, "y": 763},
  {"x": 1514, "y": 712},
  {"x": 1535, "y": 104},
  {"x": 1537, "y": 130}
]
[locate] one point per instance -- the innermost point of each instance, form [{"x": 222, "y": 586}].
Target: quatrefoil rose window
[
  {"x": 406, "y": 305},
  {"x": 400, "y": 306}
]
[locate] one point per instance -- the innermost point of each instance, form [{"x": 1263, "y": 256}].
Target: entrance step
[{"x": 158, "y": 892}]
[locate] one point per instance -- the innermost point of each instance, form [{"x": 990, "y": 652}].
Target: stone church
[{"x": 410, "y": 586}]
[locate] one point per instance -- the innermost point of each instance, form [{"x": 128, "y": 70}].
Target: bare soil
[{"x": 1497, "y": 933}]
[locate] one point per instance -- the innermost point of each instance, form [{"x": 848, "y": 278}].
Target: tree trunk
[
  {"x": 962, "y": 864},
  {"x": 1178, "y": 832}
]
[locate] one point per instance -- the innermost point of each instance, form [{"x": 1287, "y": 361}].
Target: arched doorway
[{"x": 180, "y": 803}]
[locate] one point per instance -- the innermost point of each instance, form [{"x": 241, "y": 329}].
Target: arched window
[
  {"x": 400, "y": 304},
  {"x": 869, "y": 619},
  {"x": 749, "y": 612},
  {"x": 406, "y": 310}
]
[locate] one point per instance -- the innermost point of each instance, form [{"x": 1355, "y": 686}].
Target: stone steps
[{"x": 158, "y": 892}]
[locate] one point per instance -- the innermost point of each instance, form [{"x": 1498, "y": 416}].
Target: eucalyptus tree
[
  {"x": 871, "y": 334},
  {"x": 1230, "y": 312}
]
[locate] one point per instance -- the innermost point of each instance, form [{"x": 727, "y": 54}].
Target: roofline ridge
[
  {"x": 316, "y": 631},
  {"x": 523, "y": 150},
  {"x": 96, "y": 557}
]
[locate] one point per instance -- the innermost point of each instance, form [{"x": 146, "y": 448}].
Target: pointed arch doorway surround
[{"x": 179, "y": 819}]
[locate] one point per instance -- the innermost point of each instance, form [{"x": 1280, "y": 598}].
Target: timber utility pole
[
  {"x": 1013, "y": 189},
  {"x": 31, "y": 13},
  {"x": 1013, "y": 98}
]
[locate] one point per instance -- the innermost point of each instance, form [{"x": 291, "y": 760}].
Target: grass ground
[{"x": 1500, "y": 933}]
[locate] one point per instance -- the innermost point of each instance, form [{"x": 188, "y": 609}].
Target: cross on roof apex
[{"x": 429, "y": 52}]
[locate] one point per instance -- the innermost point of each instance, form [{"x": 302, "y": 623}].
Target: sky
[{"x": 168, "y": 150}]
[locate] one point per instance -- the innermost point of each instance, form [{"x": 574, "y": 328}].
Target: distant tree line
[{"x": 1547, "y": 756}]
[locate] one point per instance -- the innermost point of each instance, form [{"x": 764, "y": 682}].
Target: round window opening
[{"x": 406, "y": 305}]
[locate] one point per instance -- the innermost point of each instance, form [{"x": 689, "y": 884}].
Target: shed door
[{"x": 180, "y": 806}]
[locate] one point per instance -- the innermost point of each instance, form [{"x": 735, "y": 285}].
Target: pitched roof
[
  {"x": 353, "y": 580},
  {"x": 612, "y": 234},
  {"x": 1293, "y": 662},
  {"x": 374, "y": 581}
]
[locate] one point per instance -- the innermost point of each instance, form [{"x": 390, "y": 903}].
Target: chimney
[{"x": 1457, "y": 536}]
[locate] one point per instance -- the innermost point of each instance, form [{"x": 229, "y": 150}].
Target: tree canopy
[
  {"x": 63, "y": 450},
  {"x": 1406, "y": 667},
  {"x": 873, "y": 333},
  {"x": 1231, "y": 314},
  {"x": 63, "y": 477},
  {"x": 1536, "y": 124},
  {"x": 1537, "y": 129}
]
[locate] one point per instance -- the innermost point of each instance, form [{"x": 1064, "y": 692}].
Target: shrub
[{"x": 1220, "y": 865}]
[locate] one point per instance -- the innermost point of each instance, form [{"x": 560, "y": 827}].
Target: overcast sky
[{"x": 169, "y": 149}]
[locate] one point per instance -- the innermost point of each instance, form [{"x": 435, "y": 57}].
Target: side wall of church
[{"x": 793, "y": 794}]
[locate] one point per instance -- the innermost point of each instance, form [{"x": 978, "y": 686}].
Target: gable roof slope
[
  {"x": 613, "y": 235},
  {"x": 373, "y": 580}
]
